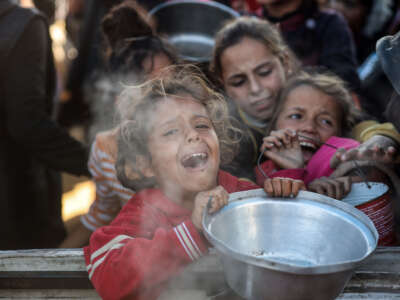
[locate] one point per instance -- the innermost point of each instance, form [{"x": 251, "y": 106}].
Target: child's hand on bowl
[
  {"x": 283, "y": 187},
  {"x": 213, "y": 199},
  {"x": 336, "y": 188}
]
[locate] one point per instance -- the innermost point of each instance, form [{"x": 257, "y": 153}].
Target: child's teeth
[
  {"x": 307, "y": 145},
  {"x": 194, "y": 160}
]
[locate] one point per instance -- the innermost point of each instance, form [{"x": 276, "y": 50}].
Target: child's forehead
[
  {"x": 307, "y": 96},
  {"x": 172, "y": 106},
  {"x": 306, "y": 93},
  {"x": 181, "y": 100}
]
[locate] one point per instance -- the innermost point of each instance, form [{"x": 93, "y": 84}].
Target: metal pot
[
  {"x": 289, "y": 248},
  {"x": 191, "y": 25}
]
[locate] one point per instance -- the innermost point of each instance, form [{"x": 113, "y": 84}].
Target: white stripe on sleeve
[
  {"x": 97, "y": 263},
  {"x": 183, "y": 244},
  {"x": 109, "y": 245},
  {"x": 191, "y": 238},
  {"x": 187, "y": 241}
]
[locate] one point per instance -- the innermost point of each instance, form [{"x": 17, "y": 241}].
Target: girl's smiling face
[
  {"x": 184, "y": 148},
  {"x": 252, "y": 77},
  {"x": 311, "y": 113}
]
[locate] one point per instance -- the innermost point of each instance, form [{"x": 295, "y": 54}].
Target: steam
[{"x": 101, "y": 94}]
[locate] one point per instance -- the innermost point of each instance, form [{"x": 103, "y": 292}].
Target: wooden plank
[
  {"x": 64, "y": 269},
  {"x": 369, "y": 296},
  {"x": 374, "y": 282},
  {"x": 42, "y": 260},
  {"x": 384, "y": 260},
  {"x": 92, "y": 295},
  {"x": 76, "y": 294}
]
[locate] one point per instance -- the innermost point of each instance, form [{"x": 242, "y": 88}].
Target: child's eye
[
  {"x": 237, "y": 83},
  {"x": 327, "y": 122},
  {"x": 170, "y": 132},
  {"x": 295, "y": 116},
  {"x": 264, "y": 73},
  {"x": 202, "y": 126}
]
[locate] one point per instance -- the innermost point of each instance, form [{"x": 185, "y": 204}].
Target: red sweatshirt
[{"x": 151, "y": 240}]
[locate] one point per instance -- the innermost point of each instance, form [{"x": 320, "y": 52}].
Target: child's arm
[
  {"x": 135, "y": 256},
  {"x": 140, "y": 251},
  {"x": 378, "y": 148},
  {"x": 109, "y": 191},
  {"x": 283, "y": 148}
]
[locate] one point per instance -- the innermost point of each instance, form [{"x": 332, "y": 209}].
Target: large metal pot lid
[
  {"x": 191, "y": 25},
  {"x": 341, "y": 209}
]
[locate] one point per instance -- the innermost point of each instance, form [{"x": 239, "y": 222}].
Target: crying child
[{"x": 174, "y": 136}]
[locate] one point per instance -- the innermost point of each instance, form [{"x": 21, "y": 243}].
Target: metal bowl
[
  {"x": 191, "y": 25},
  {"x": 292, "y": 248}
]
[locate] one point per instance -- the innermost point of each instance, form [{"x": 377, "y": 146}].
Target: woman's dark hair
[
  {"x": 130, "y": 38},
  {"x": 263, "y": 31}
]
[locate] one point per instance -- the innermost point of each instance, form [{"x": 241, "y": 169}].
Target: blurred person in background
[
  {"x": 368, "y": 20},
  {"x": 388, "y": 51},
  {"x": 84, "y": 26},
  {"x": 316, "y": 37},
  {"x": 34, "y": 149},
  {"x": 245, "y": 6},
  {"x": 134, "y": 54}
]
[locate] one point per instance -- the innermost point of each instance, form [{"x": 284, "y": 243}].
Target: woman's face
[{"x": 252, "y": 77}]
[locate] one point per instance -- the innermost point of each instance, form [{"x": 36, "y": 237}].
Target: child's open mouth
[
  {"x": 194, "y": 160},
  {"x": 308, "y": 149}
]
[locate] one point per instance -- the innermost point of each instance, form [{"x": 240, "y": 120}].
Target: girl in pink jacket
[{"x": 314, "y": 114}]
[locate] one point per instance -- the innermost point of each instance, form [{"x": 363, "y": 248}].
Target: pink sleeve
[{"x": 319, "y": 164}]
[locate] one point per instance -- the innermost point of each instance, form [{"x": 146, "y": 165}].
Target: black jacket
[
  {"x": 320, "y": 38},
  {"x": 33, "y": 148}
]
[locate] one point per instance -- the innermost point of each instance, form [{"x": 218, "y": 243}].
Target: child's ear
[
  {"x": 141, "y": 168},
  {"x": 144, "y": 166}
]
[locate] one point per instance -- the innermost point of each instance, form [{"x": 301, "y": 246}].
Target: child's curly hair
[
  {"x": 137, "y": 104},
  {"x": 327, "y": 83}
]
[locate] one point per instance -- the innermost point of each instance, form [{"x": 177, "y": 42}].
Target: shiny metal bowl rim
[
  {"x": 286, "y": 267},
  {"x": 200, "y": 4},
  {"x": 203, "y": 3}
]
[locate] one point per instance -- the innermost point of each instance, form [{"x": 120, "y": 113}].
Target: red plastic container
[{"x": 376, "y": 203}]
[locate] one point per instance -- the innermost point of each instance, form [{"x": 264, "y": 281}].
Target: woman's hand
[
  {"x": 283, "y": 187},
  {"x": 336, "y": 188},
  {"x": 378, "y": 148},
  {"x": 214, "y": 199},
  {"x": 283, "y": 148}
]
